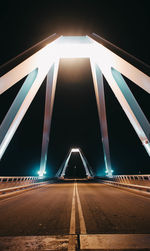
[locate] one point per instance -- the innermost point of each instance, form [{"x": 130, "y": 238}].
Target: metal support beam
[
  {"x": 49, "y": 102},
  {"x": 100, "y": 99}
]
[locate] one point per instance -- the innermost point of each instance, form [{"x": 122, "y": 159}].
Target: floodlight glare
[
  {"x": 73, "y": 50},
  {"x": 75, "y": 150},
  {"x": 40, "y": 173}
]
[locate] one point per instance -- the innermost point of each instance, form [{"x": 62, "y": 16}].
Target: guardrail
[
  {"x": 17, "y": 178},
  {"x": 16, "y": 183},
  {"x": 9, "y": 181},
  {"x": 137, "y": 187},
  {"x": 143, "y": 180},
  {"x": 139, "y": 182},
  {"x": 17, "y": 188}
]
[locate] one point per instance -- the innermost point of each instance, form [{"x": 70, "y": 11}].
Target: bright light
[
  {"x": 73, "y": 50},
  {"x": 109, "y": 172},
  {"x": 147, "y": 146},
  {"x": 40, "y": 173},
  {"x": 71, "y": 47},
  {"x": 75, "y": 150}
]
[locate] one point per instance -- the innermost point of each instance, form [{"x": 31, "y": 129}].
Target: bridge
[{"x": 72, "y": 213}]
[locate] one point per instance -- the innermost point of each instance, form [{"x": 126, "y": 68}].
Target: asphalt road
[{"x": 63, "y": 208}]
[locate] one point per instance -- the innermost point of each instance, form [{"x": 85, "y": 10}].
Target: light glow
[
  {"x": 75, "y": 150},
  {"x": 40, "y": 173},
  {"x": 73, "y": 50},
  {"x": 72, "y": 47}
]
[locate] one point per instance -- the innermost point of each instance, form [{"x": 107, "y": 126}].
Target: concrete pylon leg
[
  {"x": 89, "y": 169},
  {"x": 62, "y": 170},
  {"x": 49, "y": 102},
  {"x": 85, "y": 165},
  {"x": 100, "y": 99},
  {"x": 129, "y": 105},
  {"x": 65, "y": 166},
  {"x": 17, "y": 111},
  {"x": 136, "y": 116}
]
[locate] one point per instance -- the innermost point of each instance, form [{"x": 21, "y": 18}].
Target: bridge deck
[{"x": 74, "y": 208}]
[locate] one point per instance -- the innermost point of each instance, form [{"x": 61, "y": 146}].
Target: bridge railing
[
  {"x": 142, "y": 180},
  {"x": 6, "y": 181},
  {"x": 139, "y": 182}
]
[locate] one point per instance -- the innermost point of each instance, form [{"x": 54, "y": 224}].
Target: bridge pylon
[
  {"x": 105, "y": 62},
  {"x": 62, "y": 170}
]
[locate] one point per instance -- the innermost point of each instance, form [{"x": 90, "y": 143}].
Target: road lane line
[
  {"x": 81, "y": 218},
  {"x": 71, "y": 243},
  {"x": 72, "y": 219}
]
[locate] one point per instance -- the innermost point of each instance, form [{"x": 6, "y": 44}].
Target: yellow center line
[
  {"x": 81, "y": 218},
  {"x": 72, "y": 219}
]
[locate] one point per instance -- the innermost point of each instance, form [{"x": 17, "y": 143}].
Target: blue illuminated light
[{"x": 40, "y": 173}]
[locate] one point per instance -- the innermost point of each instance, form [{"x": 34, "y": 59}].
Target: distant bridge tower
[
  {"x": 62, "y": 170},
  {"x": 106, "y": 60}
]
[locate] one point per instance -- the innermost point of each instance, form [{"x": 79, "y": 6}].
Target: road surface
[
  {"x": 74, "y": 214},
  {"x": 96, "y": 208}
]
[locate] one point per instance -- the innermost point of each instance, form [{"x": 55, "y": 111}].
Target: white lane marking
[
  {"x": 71, "y": 243},
  {"x": 72, "y": 219},
  {"x": 81, "y": 218}
]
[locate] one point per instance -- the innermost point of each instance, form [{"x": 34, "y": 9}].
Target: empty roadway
[{"x": 96, "y": 208}]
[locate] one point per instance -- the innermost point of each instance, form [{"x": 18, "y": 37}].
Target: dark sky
[{"x": 75, "y": 118}]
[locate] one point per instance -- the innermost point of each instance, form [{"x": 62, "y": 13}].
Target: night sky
[{"x": 75, "y": 119}]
